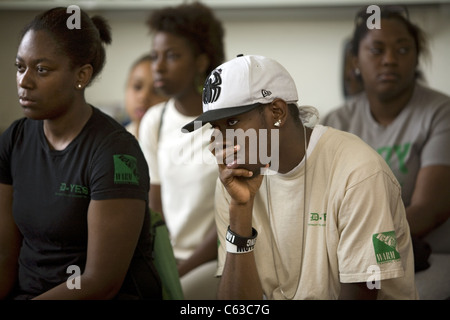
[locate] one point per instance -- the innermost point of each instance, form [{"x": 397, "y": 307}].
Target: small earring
[
  {"x": 277, "y": 124},
  {"x": 357, "y": 71},
  {"x": 79, "y": 86}
]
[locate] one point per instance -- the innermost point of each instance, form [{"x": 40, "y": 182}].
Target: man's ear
[
  {"x": 83, "y": 76},
  {"x": 279, "y": 112}
]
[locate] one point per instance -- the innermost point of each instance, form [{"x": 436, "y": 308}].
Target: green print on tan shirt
[{"x": 385, "y": 246}]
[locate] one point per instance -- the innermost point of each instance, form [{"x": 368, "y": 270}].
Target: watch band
[
  {"x": 240, "y": 241},
  {"x": 232, "y": 248}
]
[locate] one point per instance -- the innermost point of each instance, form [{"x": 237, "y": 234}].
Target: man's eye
[{"x": 231, "y": 122}]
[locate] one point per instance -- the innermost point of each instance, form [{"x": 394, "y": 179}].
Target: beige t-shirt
[
  {"x": 354, "y": 228},
  {"x": 186, "y": 171}
]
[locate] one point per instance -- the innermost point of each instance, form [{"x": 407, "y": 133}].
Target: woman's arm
[
  {"x": 154, "y": 199},
  {"x": 430, "y": 203},
  {"x": 114, "y": 227},
  {"x": 205, "y": 252},
  {"x": 10, "y": 241}
]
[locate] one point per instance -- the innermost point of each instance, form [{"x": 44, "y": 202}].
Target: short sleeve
[
  {"x": 119, "y": 169},
  {"x": 6, "y": 146},
  {"x": 373, "y": 230},
  {"x": 435, "y": 150}
]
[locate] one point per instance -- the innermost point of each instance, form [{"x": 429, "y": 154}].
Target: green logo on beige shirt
[
  {"x": 317, "y": 219},
  {"x": 125, "y": 169},
  {"x": 385, "y": 246}
]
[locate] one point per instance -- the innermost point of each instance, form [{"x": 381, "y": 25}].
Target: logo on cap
[{"x": 211, "y": 89}]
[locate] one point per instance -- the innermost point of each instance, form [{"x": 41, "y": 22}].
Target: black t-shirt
[{"x": 52, "y": 192}]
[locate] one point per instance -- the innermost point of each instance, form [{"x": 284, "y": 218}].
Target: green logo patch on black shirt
[{"x": 125, "y": 169}]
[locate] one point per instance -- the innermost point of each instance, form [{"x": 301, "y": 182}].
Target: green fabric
[{"x": 164, "y": 259}]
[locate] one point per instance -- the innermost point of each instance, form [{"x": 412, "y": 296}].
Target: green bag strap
[{"x": 164, "y": 259}]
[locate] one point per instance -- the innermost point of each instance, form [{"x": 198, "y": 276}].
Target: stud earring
[
  {"x": 79, "y": 86},
  {"x": 357, "y": 71},
  {"x": 277, "y": 124}
]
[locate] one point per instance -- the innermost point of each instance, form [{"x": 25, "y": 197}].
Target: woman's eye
[
  {"x": 137, "y": 87},
  {"x": 41, "y": 69},
  {"x": 19, "y": 67},
  {"x": 172, "y": 55},
  {"x": 375, "y": 50},
  {"x": 403, "y": 50}
]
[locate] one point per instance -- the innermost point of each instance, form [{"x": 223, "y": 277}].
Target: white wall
[{"x": 307, "y": 41}]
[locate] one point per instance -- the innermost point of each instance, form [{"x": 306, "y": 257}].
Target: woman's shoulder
[
  {"x": 102, "y": 129},
  {"x": 350, "y": 109},
  {"x": 153, "y": 115},
  {"x": 19, "y": 127},
  {"x": 430, "y": 105},
  {"x": 429, "y": 96}
]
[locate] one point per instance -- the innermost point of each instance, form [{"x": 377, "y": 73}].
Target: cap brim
[{"x": 214, "y": 115}]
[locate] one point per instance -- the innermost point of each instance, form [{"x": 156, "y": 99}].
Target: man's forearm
[{"x": 240, "y": 278}]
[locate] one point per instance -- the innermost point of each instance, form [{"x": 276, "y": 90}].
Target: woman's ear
[
  {"x": 202, "y": 63},
  {"x": 355, "y": 66},
  {"x": 279, "y": 112},
  {"x": 83, "y": 76}
]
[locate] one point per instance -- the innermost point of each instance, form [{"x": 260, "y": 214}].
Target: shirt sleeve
[
  {"x": 435, "y": 150},
  {"x": 6, "y": 146},
  {"x": 119, "y": 169},
  {"x": 374, "y": 234}
]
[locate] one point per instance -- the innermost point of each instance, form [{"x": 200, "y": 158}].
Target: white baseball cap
[{"x": 242, "y": 84}]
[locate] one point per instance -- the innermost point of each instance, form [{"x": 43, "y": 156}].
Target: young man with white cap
[{"x": 321, "y": 217}]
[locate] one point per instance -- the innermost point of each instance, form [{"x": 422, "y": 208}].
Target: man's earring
[
  {"x": 79, "y": 86},
  {"x": 277, "y": 124},
  {"x": 357, "y": 71}
]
